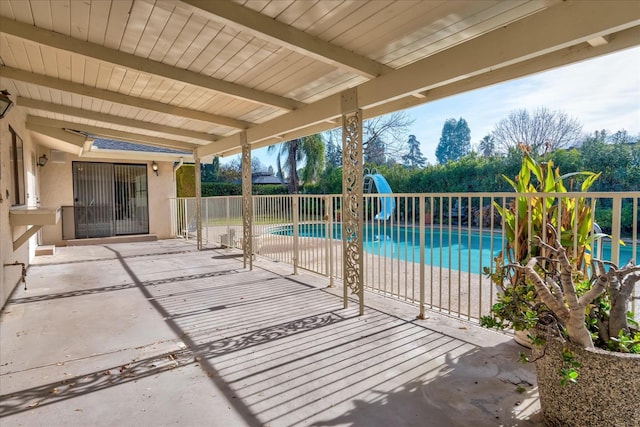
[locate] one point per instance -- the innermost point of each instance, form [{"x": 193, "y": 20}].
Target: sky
[{"x": 601, "y": 93}]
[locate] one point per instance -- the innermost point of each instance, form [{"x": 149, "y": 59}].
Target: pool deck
[{"x": 157, "y": 333}]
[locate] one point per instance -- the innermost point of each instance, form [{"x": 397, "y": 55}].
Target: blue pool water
[{"x": 463, "y": 251}]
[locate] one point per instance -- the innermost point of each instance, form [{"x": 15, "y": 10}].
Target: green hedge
[
  {"x": 211, "y": 189},
  {"x": 186, "y": 181}
]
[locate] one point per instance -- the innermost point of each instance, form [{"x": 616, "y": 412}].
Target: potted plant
[
  {"x": 585, "y": 345},
  {"x": 527, "y": 217}
]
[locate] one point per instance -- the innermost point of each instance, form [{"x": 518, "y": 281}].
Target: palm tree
[
  {"x": 308, "y": 149},
  {"x": 487, "y": 146}
]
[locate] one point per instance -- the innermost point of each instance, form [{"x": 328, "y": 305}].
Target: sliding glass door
[{"x": 110, "y": 199}]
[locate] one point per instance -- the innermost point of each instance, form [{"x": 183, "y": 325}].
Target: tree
[
  {"x": 455, "y": 141},
  {"x": 617, "y": 156},
  {"x": 414, "y": 157},
  {"x": 232, "y": 171},
  {"x": 387, "y": 132},
  {"x": 313, "y": 150},
  {"x": 210, "y": 172},
  {"x": 374, "y": 152},
  {"x": 308, "y": 149},
  {"x": 543, "y": 132},
  {"x": 487, "y": 146},
  {"x": 333, "y": 153}
]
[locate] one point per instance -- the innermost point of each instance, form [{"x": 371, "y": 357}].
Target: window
[{"x": 17, "y": 169}]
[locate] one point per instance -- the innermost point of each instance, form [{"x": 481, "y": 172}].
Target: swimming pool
[{"x": 457, "y": 250}]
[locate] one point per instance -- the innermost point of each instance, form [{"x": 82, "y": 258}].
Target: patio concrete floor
[{"x": 157, "y": 333}]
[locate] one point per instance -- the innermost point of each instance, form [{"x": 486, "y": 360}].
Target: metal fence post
[
  {"x": 328, "y": 215},
  {"x": 422, "y": 260},
  {"x": 296, "y": 220}
]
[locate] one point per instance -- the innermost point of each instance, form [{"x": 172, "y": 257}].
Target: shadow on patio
[{"x": 158, "y": 333}]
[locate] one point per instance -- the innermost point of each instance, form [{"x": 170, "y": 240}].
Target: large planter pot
[
  {"x": 606, "y": 392},
  {"x": 522, "y": 338}
]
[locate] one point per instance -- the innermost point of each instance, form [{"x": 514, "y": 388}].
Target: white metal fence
[{"x": 430, "y": 249}]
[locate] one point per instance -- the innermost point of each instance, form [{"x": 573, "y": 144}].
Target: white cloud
[{"x": 601, "y": 93}]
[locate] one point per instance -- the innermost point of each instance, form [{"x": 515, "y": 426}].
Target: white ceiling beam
[
  {"x": 106, "y": 133},
  {"x": 143, "y": 156},
  {"x": 116, "y": 120},
  {"x": 561, "y": 27},
  {"x": 119, "y": 98},
  {"x": 266, "y": 28},
  {"x": 132, "y": 62},
  {"x": 287, "y": 136},
  {"x": 598, "y": 41},
  {"x": 41, "y": 136},
  {"x": 77, "y": 141}
]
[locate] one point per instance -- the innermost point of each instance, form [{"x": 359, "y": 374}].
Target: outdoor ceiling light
[
  {"x": 154, "y": 166},
  {"x": 42, "y": 160},
  {"x": 5, "y": 102}
]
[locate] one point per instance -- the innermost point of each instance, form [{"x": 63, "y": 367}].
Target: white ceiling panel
[
  {"x": 337, "y": 25},
  {"x": 21, "y": 11},
  {"x": 155, "y": 26},
  {"x": 61, "y": 15},
  {"x": 98, "y": 11},
  {"x": 118, "y": 20},
  {"x": 164, "y": 42},
  {"x": 79, "y": 17},
  {"x": 40, "y": 17},
  {"x": 177, "y": 37},
  {"x": 136, "y": 25}
]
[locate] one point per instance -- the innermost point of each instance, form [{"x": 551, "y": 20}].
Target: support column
[
  {"x": 247, "y": 203},
  {"x": 198, "y": 202},
  {"x": 352, "y": 202}
]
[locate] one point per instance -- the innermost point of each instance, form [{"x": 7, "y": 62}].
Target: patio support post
[
  {"x": 198, "y": 202},
  {"x": 352, "y": 205},
  {"x": 247, "y": 202}
]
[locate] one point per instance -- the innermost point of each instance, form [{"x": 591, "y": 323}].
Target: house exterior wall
[
  {"x": 10, "y": 275},
  {"x": 57, "y": 190},
  {"x": 51, "y": 186},
  {"x": 161, "y": 189}
]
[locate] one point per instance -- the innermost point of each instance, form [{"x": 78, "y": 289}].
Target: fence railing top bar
[
  {"x": 599, "y": 194},
  {"x": 593, "y": 194}
]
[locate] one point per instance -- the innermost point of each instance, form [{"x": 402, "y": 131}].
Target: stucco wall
[
  {"x": 10, "y": 275},
  {"x": 51, "y": 186},
  {"x": 161, "y": 189}
]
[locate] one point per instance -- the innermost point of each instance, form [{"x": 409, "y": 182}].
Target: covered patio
[
  {"x": 125, "y": 334},
  {"x": 167, "y": 332},
  {"x": 196, "y": 79}
]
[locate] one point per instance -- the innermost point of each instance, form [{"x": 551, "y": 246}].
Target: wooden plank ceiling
[{"x": 193, "y": 74}]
